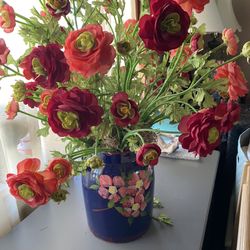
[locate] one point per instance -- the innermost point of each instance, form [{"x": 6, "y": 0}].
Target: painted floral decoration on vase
[{"x": 101, "y": 82}]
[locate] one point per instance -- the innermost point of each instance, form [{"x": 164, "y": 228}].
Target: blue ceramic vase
[{"x": 119, "y": 198}]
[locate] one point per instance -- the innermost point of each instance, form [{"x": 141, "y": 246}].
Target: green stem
[
  {"x": 79, "y": 7},
  {"x": 68, "y": 22},
  {"x": 90, "y": 15},
  {"x": 28, "y": 114},
  {"x": 75, "y": 17},
  {"x": 24, "y": 18},
  {"x": 12, "y": 70}
]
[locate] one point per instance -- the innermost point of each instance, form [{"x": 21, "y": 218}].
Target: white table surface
[{"x": 184, "y": 187}]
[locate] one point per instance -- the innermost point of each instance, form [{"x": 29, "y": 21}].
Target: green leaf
[
  {"x": 94, "y": 187},
  {"x": 119, "y": 209},
  {"x": 111, "y": 204},
  {"x": 43, "y": 131},
  {"x": 200, "y": 95},
  {"x": 11, "y": 60},
  {"x": 157, "y": 203},
  {"x": 57, "y": 154}
]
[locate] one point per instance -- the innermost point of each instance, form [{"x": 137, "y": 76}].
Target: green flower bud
[
  {"x": 246, "y": 50},
  {"x": 123, "y": 47},
  {"x": 59, "y": 195},
  {"x": 19, "y": 91},
  {"x": 94, "y": 162}
]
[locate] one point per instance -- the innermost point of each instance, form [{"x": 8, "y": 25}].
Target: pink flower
[
  {"x": 187, "y": 52},
  {"x": 103, "y": 192},
  {"x": 12, "y": 109},
  {"x": 237, "y": 84},
  {"x": 129, "y": 25},
  {"x": 4, "y": 52},
  {"x": 105, "y": 181},
  {"x": 231, "y": 40},
  {"x": 7, "y": 18},
  {"x": 197, "y": 42}
]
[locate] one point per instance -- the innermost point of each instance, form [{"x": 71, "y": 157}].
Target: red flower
[
  {"x": 148, "y": 154},
  {"x": 231, "y": 40},
  {"x": 7, "y": 18},
  {"x": 189, "y": 5},
  {"x": 89, "y": 50},
  {"x": 200, "y": 132},
  {"x": 124, "y": 110},
  {"x": 45, "y": 97},
  {"x": 46, "y": 65},
  {"x": 30, "y": 87},
  {"x": 237, "y": 84},
  {"x": 166, "y": 28},
  {"x": 12, "y": 109},
  {"x": 61, "y": 168},
  {"x": 58, "y": 8},
  {"x": 4, "y": 52},
  {"x": 74, "y": 112},
  {"x": 228, "y": 114},
  {"x": 30, "y": 186}
]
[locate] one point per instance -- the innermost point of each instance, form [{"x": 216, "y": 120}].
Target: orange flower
[
  {"x": 7, "y": 18},
  {"x": 45, "y": 97},
  {"x": 231, "y": 40},
  {"x": 12, "y": 109},
  {"x": 61, "y": 168},
  {"x": 190, "y": 5},
  {"x": 32, "y": 187},
  {"x": 237, "y": 84}
]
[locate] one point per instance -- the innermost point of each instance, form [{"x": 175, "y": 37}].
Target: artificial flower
[
  {"x": 46, "y": 65},
  {"x": 28, "y": 100},
  {"x": 190, "y": 5},
  {"x": 58, "y": 8},
  {"x": 168, "y": 25},
  {"x": 129, "y": 25},
  {"x": 89, "y": 51},
  {"x": 197, "y": 42},
  {"x": 148, "y": 154},
  {"x": 4, "y": 52},
  {"x": 124, "y": 110},
  {"x": 45, "y": 97},
  {"x": 231, "y": 40},
  {"x": 187, "y": 52},
  {"x": 200, "y": 132},
  {"x": 11, "y": 109},
  {"x": 228, "y": 114},
  {"x": 30, "y": 186},
  {"x": 7, "y": 18},
  {"x": 246, "y": 50},
  {"x": 237, "y": 84},
  {"x": 61, "y": 168},
  {"x": 74, "y": 112}
]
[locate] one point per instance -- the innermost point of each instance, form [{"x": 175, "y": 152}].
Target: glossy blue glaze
[{"x": 108, "y": 224}]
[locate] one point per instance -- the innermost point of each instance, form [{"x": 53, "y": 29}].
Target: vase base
[{"x": 119, "y": 240}]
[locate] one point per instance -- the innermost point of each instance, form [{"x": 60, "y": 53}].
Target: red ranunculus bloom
[
  {"x": 148, "y": 154},
  {"x": 30, "y": 186},
  {"x": 200, "y": 132},
  {"x": 124, "y": 110},
  {"x": 61, "y": 168},
  {"x": 30, "y": 87},
  {"x": 46, "y": 65},
  {"x": 74, "y": 112},
  {"x": 166, "y": 28},
  {"x": 190, "y": 5},
  {"x": 12, "y": 109},
  {"x": 4, "y": 52},
  {"x": 228, "y": 114},
  {"x": 7, "y": 18},
  {"x": 237, "y": 84},
  {"x": 89, "y": 51},
  {"x": 58, "y": 8}
]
